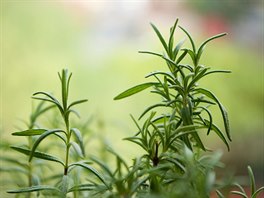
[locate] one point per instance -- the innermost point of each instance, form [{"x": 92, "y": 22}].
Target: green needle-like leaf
[
  {"x": 138, "y": 184},
  {"x": 49, "y": 99},
  {"x": 65, "y": 80},
  {"x": 191, "y": 54},
  {"x": 171, "y": 39},
  {"x": 137, "y": 141},
  {"x": 89, "y": 168},
  {"x": 222, "y": 109},
  {"x": 34, "y": 188},
  {"x": 239, "y": 193},
  {"x": 42, "y": 137},
  {"x": 30, "y": 132},
  {"x": 182, "y": 56},
  {"x": 210, "y": 119},
  {"x": 48, "y": 95},
  {"x": 217, "y": 71},
  {"x": 190, "y": 38},
  {"x": 103, "y": 165},
  {"x": 77, "y": 149},
  {"x": 82, "y": 187},
  {"x": 197, "y": 78},
  {"x": 160, "y": 37},
  {"x": 77, "y": 102},
  {"x": 219, "y": 194},
  {"x": 79, "y": 139},
  {"x": 218, "y": 132},
  {"x": 39, "y": 155},
  {"x": 177, "y": 49},
  {"x": 255, "y": 194},
  {"x": 135, "y": 90},
  {"x": 201, "y": 48},
  {"x": 169, "y": 75},
  {"x": 150, "y": 108},
  {"x": 252, "y": 180}
]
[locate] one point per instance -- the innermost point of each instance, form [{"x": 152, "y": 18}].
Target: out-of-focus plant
[
  {"x": 65, "y": 134},
  {"x": 254, "y": 192},
  {"x": 30, "y": 169}
]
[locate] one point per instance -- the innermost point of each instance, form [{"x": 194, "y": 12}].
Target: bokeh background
[{"x": 99, "y": 42}]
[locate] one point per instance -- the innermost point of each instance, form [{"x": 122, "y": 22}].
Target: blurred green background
[{"x": 99, "y": 43}]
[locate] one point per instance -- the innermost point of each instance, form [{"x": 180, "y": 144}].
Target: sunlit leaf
[{"x": 191, "y": 54}]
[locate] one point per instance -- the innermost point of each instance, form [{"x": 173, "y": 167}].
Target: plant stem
[
  {"x": 155, "y": 159},
  {"x": 67, "y": 149}
]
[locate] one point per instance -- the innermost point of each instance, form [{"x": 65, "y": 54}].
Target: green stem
[
  {"x": 67, "y": 151},
  {"x": 155, "y": 159}
]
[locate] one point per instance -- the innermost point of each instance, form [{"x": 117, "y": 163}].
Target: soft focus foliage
[{"x": 99, "y": 41}]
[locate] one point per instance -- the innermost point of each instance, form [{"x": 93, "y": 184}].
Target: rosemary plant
[
  {"x": 65, "y": 135},
  {"x": 163, "y": 136},
  {"x": 174, "y": 163},
  {"x": 22, "y": 167},
  {"x": 181, "y": 93}
]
